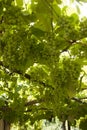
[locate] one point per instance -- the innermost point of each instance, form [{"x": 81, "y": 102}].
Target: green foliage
[
  {"x": 83, "y": 124},
  {"x": 42, "y": 55},
  {"x": 19, "y": 3},
  {"x": 81, "y": 0}
]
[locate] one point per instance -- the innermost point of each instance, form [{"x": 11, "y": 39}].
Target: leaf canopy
[{"x": 42, "y": 55}]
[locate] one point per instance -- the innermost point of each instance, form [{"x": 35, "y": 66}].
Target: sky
[
  {"x": 84, "y": 9},
  {"x": 72, "y": 7}
]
